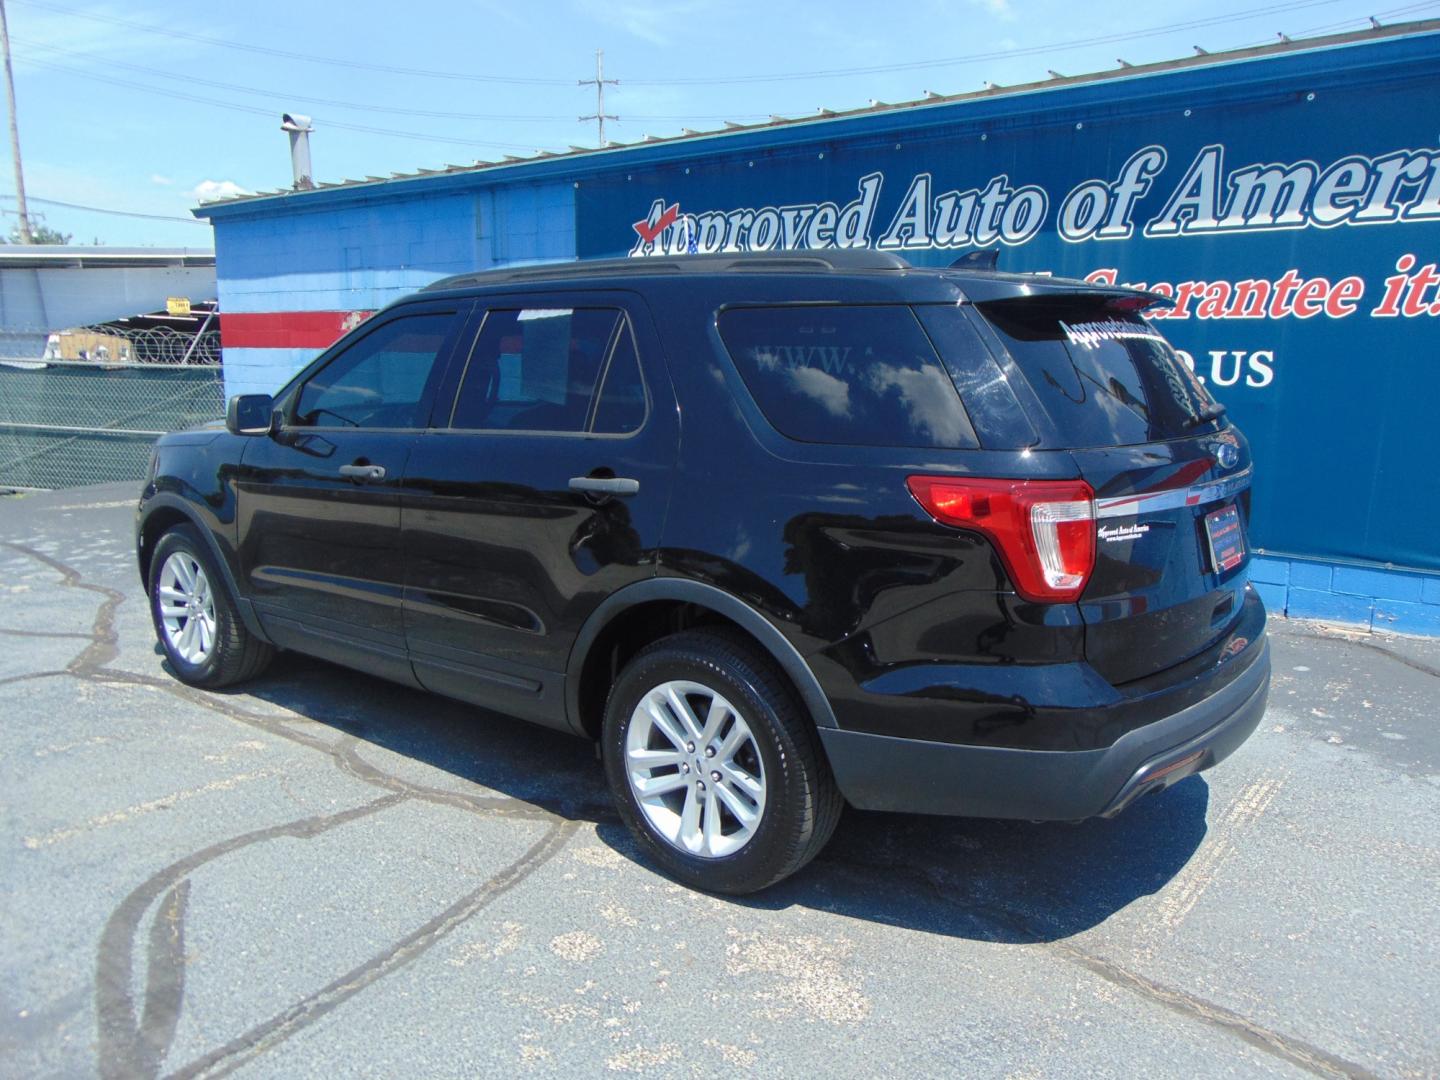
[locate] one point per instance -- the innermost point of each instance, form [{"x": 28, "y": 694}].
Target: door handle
[
  {"x": 605, "y": 485},
  {"x": 363, "y": 472}
]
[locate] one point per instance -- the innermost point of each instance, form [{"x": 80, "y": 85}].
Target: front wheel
[
  {"x": 195, "y": 620},
  {"x": 715, "y": 766}
]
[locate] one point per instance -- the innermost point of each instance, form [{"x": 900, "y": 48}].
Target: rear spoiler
[{"x": 1019, "y": 288}]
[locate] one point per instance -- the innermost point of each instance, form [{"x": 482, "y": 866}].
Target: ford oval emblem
[{"x": 1227, "y": 455}]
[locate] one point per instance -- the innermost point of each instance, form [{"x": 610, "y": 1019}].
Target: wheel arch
[
  {"x": 659, "y": 595},
  {"x": 161, "y": 513}
]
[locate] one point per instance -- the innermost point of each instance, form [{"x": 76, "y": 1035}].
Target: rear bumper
[{"x": 880, "y": 772}]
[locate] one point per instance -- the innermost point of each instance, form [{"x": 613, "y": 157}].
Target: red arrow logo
[{"x": 649, "y": 232}]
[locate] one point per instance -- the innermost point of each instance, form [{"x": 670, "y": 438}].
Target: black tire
[
  {"x": 802, "y": 803},
  {"x": 236, "y": 654}
]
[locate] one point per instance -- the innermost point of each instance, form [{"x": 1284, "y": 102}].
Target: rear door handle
[
  {"x": 363, "y": 472},
  {"x": 605, "y": 485}
]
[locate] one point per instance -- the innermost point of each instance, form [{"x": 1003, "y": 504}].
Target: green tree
[{"x": 39, "y": 234}]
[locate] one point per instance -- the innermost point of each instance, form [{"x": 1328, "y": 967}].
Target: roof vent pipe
[{"x": 299, "y": 128}]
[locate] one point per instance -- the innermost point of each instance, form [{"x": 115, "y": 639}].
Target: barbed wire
[{"x": 108, "y": 343}]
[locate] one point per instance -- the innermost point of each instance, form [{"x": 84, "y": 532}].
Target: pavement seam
[{"x": 128, "y": 1049}]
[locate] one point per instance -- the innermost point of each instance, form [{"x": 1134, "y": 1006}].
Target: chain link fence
[{"x": 88, "y": 409}]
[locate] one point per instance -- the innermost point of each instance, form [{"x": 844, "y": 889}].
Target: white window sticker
[{"x": 1093, "y": 333}]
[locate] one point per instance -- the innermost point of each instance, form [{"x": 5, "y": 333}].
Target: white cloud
[
  {"x": 1001, "y": 9},
  {"x": 163, "y": 181},
  {"x": 832, "y": 394},
  {"x": 210, "y": 190},
  {"x": 649, "y": 20}
]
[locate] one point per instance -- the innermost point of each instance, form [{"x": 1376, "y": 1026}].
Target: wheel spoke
[
  {"x": 650, "y": 786},
  {"x": 653, "y": 759},
  {"x": 690, "y": 820},
  {"x": 715, "y": 719},
  {"x": 732, "y": 742},
  {"x": 712, "y": 822},
  {"x": 173, "y": 596},
  {"x": 184, "y": 576},
  {"x": 683, "y": 711},
  {"x": 743, "y": 809},
  {"x": 662, "y": 720},
  {"x": 742, "y": 780},
  {"x": 187, "y": 638},
  {"x": 206, "y": 635}
]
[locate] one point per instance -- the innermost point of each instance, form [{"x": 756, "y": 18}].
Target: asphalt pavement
[{"x": 321, "y": 874}]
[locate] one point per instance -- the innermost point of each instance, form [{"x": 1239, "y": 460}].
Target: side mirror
[{"x": 250, "y": 414}]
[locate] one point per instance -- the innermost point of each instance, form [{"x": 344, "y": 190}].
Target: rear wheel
[
  {"x": 714, "y": 765},
  {"x": 195, "y": 620}
]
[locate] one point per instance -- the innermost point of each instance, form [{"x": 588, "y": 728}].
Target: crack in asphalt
[
  {"x": 1007, "y": 925},
  {"x": 131, "y": 1048},
  {"x": 1399, "y": 658},
  {"x": 9, "y": 632}
]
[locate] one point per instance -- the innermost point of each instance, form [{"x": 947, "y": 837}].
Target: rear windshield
[
  {"x": 1106, "y": 378},
  {"x": 865, "y": 376}
]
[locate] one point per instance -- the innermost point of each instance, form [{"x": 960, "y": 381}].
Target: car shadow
[{"x": 998, "y": 881}]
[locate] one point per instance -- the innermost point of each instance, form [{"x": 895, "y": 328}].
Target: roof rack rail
[{"x": 844, "y": 260}]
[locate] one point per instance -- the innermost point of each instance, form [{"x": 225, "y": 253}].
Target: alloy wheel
[
  {"x": 695, "y": 769},
  {"x": 187, "y": 608}
]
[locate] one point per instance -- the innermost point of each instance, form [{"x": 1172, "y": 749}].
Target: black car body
[{"x": 986, "y": 530}]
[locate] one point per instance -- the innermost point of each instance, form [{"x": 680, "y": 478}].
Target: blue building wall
[
  {"x": 359, "y": 257},
  {"x": 1356, "y": 395}
]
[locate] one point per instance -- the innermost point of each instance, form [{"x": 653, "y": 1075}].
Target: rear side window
[
  {"x": 863, "y": 376},
  {"x": 535, "y": 369},
  {"x": 1106, "y": 378}
]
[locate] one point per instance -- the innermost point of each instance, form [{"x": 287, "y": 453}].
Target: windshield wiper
[{"x": 1205, "y": 415}]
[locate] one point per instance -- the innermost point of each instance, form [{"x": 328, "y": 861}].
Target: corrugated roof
[
  {"x": 931, "y": 100},
  {"x": 84, "y": 256}
]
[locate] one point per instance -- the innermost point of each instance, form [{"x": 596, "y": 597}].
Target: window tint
[
  {"x": 380, "y": 380},
  {"x": 861, "y": 375},
  {"x": 1107, "y": 378},
  {"x": 621, "y": 408},
  {"x": 534, "y": 369}
]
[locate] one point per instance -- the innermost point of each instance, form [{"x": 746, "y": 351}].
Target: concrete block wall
[
  {"x": 358, "y": 257},
  {"x": 1371, "y": 598}
]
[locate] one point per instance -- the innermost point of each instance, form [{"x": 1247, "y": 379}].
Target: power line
[
  {"x": 1408, "y": 9},
  {"x": 309, "y": 58},
  {"x": 991, "y": 54},
  {"x": 107, "y": 210},
  {"x": 363, "y": 107},
  {"x": 791, "y": 76},
  {"x": 256, "y": 110}
]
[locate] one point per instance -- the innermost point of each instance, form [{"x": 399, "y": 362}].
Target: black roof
[
  {"x": 975, "y": 278},
  {"x": 842, "y": 260}
]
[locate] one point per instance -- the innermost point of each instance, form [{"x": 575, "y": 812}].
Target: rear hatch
[{"x": 1171, "y": 476}]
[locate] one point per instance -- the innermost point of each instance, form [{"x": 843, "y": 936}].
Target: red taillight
[{"x": 1044, "y": 530}]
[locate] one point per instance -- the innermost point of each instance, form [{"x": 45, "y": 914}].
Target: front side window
[
  {"x": 865, "y": 376},
  {"x": 620, "y": 408},
  {"x": 537, "y": 369},
  {"x": 379, "y": 382}
]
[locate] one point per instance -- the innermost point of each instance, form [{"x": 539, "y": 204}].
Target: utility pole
[
  {"x": 599, "y": 82},
  {"x": 25, "y": 237}
]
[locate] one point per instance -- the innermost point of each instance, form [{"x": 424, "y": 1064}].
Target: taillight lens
[{"x": 1044, "y": 530}]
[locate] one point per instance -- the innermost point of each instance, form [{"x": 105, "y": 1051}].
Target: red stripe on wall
[{"x": 286, "y": 329}]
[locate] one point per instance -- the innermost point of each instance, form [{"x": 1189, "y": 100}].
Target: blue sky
[{"x": 113, "y": 114}]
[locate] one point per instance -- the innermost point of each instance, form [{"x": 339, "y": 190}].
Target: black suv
[{"x": 779, "y": 531}]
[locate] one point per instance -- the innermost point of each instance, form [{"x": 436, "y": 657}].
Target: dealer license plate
[{"x": 1227, "y": 539}]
